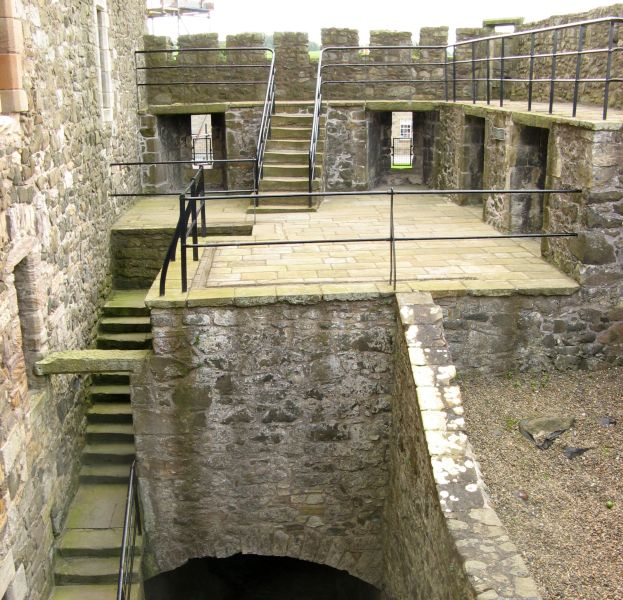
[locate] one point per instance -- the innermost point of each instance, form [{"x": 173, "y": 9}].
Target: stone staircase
[
  {"x": 86, "y": 562},
  {"x": 286, "y": 159}
]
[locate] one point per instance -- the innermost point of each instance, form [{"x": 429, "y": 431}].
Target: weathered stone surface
[
  {"x": 91, "y": 361},
  {"x": 284, "y": 416},
  {"x": 544, "y": 430}
]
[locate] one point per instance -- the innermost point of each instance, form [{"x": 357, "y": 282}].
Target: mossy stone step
[
  {"x": 80, "y": 570},
  {"x": 128, "y": 303},
  {"x": 296, "y": 119},
  {"x": 119, "y": 378},
  {"x": 91, "y": 361},
  {"x": 291, "y": 133},
  {"x": 280, "y": 157},
  {"x": 110, "y": 412},
  {"x": 84, "y": 592},
  {"x": 110, "y": 433},
  {"x": 90, "y": 542},
  {"x": 125, "y": 324},
  {"x": 112, "y": 453},
  {"x": 105, "y": 474},
  {"x": 124, "y": 341},
  {"x": 110, "y": 393},
  {"x": 284, "y": 184},
  {"x": 285, "y": 170}
]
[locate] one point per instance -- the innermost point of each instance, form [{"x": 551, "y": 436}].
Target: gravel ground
[{"x": 566, "y": 516}]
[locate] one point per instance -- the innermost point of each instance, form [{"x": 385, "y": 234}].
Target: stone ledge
[
  {"x": 493, "y": 564},
  {"x": 91, "y": 361}
]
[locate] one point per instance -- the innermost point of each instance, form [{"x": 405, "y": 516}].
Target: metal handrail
[
  {"x": 269, "y": 110},
  {"x": 187, "y": 227},
  {"x": 131, "y": 530},
  {"x": 503, "y": 60}
]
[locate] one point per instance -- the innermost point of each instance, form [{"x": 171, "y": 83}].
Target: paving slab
[{"x": 97, "y": 506}]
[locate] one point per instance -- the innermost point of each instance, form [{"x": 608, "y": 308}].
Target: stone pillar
[
  {"x": 386, "y": 57},
  {"x": 427, "y": 69},
  {"x": 497, "y": 162},
  {"x": 464, "y": 70},
  {"x": 340, "y": 37},
  {"x": 449, "y": 148},
  {"x": 163, "y": 93},
  {"x": 247, "y": 56},
  {"x": 295, "y": 75},
  {"x": 12, "y": 96}
]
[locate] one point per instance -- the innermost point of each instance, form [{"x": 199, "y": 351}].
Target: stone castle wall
[
  {"x": 264, "y": 430},
  {"x": 55, "y": 217}
]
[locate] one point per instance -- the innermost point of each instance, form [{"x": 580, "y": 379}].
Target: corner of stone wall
[{"x": 492, "y": 562}]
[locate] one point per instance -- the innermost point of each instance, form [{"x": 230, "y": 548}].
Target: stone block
[
  {"x": 18, "y": 588},
  {"x": 7, "y": 8},
  {"x": 11, "y": 36},
  {"x": 7, "y": 572},
  {"x": 10, "y": 72},
  {"x": 13, "y": 101}
]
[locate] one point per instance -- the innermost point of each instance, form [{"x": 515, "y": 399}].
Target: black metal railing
[
  {"x": 402, "y": 152},
  {"x": 188, "y": 226},
  {"x": 269, "y": 110},
  {"x": 470, "y": 70},
  {"x": 131, "y": 530},
  {"x": 177, "y": 70}
]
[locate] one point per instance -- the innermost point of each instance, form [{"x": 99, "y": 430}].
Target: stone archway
[{"x": 255, "y": 577}]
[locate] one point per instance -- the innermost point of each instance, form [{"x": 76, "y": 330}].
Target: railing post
[
  {"x": 392, "y": 240},
  {"x": 183, "y": 232},
  {"x": 531, "y": 70},
  {"x": 454, "y": 75},
  {"x": 194, "y": 229},
  {"x": 473, "y": 45},
  {"x": 578, "y": 67},
  {"x": 445, "y": 72},
  {"x": 553, "y": 72},
  {"x": 502, "y": 73},
  {"x": 488, "y": 72},
  {"x": 608, "y": 69}
]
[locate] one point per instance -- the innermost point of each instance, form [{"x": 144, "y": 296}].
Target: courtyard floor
[{"x": 493, "y": 266}]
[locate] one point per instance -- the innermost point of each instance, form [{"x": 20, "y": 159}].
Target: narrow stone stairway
[
  {"x": 86, "y": 562},
  {"x": 286, "y": 159}
]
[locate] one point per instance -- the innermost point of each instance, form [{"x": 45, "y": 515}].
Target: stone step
[
  {"x": 301, "y": 145},
  {"x": 84, "y": 592},
  {"x": 124, "y": 341},
  {"x": 112, "y": 453},
  {"x": 291, "y": 157},
  {"x": 284, "y": 184},
  {"x": 291, "y": 133},
  {"x": 125, "y": 324},
  {"x": 80, "y": 570},
  {"x": 126, "y": 303},
  {"x": 90, "y": 542},
  {"x": 110, "y": 433},
  {"x": 91, "y": 361},
  {"x": 292, "y": 119},
  {"x": 295, "y": 107},
  {"x": 287, "y": 170},
  {"x": 105, "y": 474},
  {"x": 285, "y": 205},
  {"x": 110, "y": 412},
  {"x": 119, "y": 378},
  {"x": 110, "y": 393}
]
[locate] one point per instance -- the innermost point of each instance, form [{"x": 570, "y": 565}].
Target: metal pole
[
  {"x": 608, "y": 69},
  {"x": 473, "y": 73},
  {"x": 502, "y": 74},
  {"x": 392, "y": 244},
  {"x": 445, "y": 72},
  {"x": 488, "y": 72},
  {"x": 194, "y": 233},
  {"x": 578, "y": 67},
  {"x": 531, "y": 73},
  {"x": 183, "y": 229},
  {"x": 553, "y": 74},
  {"x": 454, "y": 74}
]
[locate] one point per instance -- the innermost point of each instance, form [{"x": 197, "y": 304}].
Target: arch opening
[{"x": 255, "y": 577}]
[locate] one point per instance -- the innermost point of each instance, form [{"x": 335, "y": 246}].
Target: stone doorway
[{"x": 253, "y": 577}]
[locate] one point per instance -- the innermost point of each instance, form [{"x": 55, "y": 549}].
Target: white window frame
[
  {"x": 406, "y": 127},
  {"x": 103, "y": 60}
]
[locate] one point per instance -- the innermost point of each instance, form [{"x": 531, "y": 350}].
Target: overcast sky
[{"x": 237, "y": 16}]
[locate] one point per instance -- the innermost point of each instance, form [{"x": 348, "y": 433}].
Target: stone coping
[
  {"x": 539, "y": 117},
  {"x": 492, "y": 562},
  {"x": 257, "y": 295}
]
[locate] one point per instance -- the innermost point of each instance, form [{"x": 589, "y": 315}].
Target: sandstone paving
[{"x": 477, "y": 264}]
